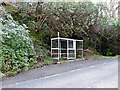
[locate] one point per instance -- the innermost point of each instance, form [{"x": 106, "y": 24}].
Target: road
[{"x": 102, "y": 73}]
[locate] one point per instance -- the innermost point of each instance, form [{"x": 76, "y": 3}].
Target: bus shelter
[{"x": 66, "y": 48}]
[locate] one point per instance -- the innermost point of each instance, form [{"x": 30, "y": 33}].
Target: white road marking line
[
  {"x": 75, "y": 70},
  {"x": 78, "y": 69},
  {"x": 92, "y": 66},
  {"x": 51, "y": 76},
  {"x": 104, "y": 63}
]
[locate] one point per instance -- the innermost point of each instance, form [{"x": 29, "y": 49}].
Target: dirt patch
[{"x": 88, "y": 52}]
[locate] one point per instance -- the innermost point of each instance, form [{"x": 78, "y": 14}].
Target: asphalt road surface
[{"x": 101, "y": 73}]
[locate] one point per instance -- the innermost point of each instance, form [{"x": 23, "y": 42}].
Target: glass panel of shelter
[
  {"x": 54, "y": 49},
  {"x": 79, "y": 49},
  {"x": 71, "y": 49},
  {"x": 63, "y": 48},
  {"x": 55, "y": 43}
]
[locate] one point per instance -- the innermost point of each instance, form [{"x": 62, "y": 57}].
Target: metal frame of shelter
[{"x": 66, "y": 48}]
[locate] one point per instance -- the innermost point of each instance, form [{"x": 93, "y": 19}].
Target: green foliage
[
  {"x": 99, "y": 56},
  {"x": 1, "y": 75},
  {"x": 79, "y": 56},
  {"x": 48, "y": 60},
  {"x": 17, "y": 46},
  {"x": 42, "y": 53},
  {"x": 62, "y": 58},
  {"x": 109, "y": 53},
  {"x": 83, "y": 20},
  {"x": 18, "y": 52}
]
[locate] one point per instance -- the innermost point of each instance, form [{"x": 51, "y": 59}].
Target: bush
[
  {"x": 48, "y": 60},
  {"x": 17, "y": 46},
  {"x": 41, "y": 53}
]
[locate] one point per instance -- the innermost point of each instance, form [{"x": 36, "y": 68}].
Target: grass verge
[{"x": 100, "y": 56}]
